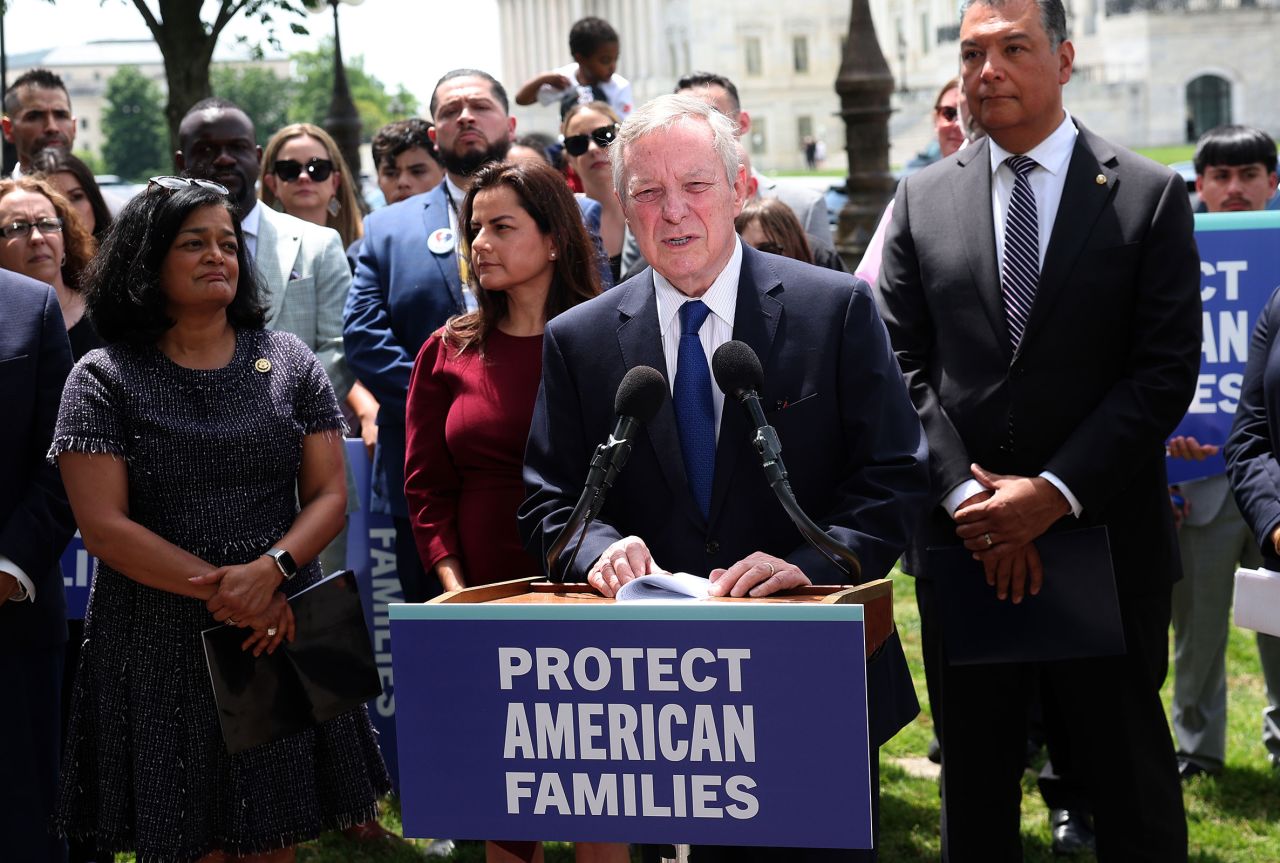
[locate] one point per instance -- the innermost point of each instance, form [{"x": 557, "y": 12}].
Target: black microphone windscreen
[
  {"x": 737, "y": 369},
  {"x": 640, "y": 394}
]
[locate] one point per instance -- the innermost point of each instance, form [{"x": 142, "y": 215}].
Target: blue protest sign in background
[
  {"x": 709, "y": 723},
  {"x": 371, "y": 555},
  {"x": 1239, "y": 270}
]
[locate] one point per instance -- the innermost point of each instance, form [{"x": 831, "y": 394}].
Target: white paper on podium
[{"x": 1257, "y": 604}]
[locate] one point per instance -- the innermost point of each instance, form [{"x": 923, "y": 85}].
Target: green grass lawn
[{"x": 1232, "y": 818}]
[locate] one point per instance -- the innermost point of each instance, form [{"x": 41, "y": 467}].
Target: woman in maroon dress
[
  {"x": 474, "y": 384},
  {"x": 475, "y": 381}
]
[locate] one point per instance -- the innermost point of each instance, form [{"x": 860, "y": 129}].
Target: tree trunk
[{"x": 187, "y": 48}]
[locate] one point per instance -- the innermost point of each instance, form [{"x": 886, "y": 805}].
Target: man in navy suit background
[
  {"x": 409, "y": 280},
  {"x": 35, "y": 525},
  {"x": 855, "y": 449}
]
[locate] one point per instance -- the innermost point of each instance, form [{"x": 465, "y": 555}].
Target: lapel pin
[
  {"x": 262, "y": 364},
  {"x": 1101, "y": 179},
  {"x": 441, "y": 241}
]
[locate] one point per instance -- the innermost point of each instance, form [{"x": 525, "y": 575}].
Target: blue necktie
[
  {"x": 1021, "y": 249},
  {"x": 695, "y": 412}
]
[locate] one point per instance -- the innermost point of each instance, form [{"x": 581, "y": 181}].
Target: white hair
[{"x": 660, "y": 115}]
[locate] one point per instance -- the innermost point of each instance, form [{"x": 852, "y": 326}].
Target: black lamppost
[
  {"x": 343, "y": 122},
  {"x": 8, "y": 153},
  {"x": 864, "y": 84}
]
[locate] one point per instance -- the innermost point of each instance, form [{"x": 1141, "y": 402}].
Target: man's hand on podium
[
  {"x": 622, "y": 561},
  {"x": 757, "y": 574}
]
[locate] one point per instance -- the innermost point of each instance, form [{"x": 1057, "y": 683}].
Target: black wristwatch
[{"x": 284, "y": 560}]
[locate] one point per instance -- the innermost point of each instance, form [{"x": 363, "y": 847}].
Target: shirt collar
[
  {"x": 456, "y": 192},
  {"x": 1052, "y": 154},
  {"x": 249, "y": 224},
  {"x": 721, "y": 297}
]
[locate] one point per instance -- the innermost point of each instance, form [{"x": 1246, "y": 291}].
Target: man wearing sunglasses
[{"x": 411, "y": 275}]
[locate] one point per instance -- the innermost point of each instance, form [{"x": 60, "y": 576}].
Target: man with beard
[
  {"x": 37, "y": 114},
  {"x": 402, "y": 294}
]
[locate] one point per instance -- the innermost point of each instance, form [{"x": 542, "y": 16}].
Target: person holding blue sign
[
  {"x": 693, "y": 496},
  {"x": 1235, "y": 172}
]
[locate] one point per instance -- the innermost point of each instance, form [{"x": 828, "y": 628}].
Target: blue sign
[
  {"x": 1239, "y": 270},
  {"x": 728, "y": 723},
  {"x": 371, "y": 555}
]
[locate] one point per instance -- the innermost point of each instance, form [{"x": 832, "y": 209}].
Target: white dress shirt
[
  {"x": 1047, "y": 179},
  {"x": 249, "y": 227},
  {"x": 26, "y": 589},
  {"x": 454, "y": 193},
  {"x": 721, "y": 298}
]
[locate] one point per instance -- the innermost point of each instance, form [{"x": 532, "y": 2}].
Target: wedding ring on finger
[
  {"x": 772, "y": 568},
  {"x": 271, "y": 631},
  {"x": 988, "y": 540},
  {"x": 232, "y": 622}
]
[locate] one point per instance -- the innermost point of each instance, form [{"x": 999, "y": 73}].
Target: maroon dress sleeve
[{"x": 432, "y": 482}]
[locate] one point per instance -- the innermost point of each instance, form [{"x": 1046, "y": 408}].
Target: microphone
[
  {"x": 739, "y": 375},
  {"x": 639, "y": 397}
]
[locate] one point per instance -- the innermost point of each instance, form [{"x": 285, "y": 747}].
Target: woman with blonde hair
[{"x": 304, "y": 174}]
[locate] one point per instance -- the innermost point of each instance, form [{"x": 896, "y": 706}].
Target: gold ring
[
  {"x": 772, "y": 568},
  {"x": 990, "y": 541}
]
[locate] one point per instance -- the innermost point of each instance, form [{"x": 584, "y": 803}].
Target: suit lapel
[
  {"x": 1083, "y": 199},
  {"x": 640, "y": 340},
  {"x": 435, "y": 215},
  {"x": 971, "y": 214},
  {"x": 266, "y": 259},
  {"x": 755, "y": 321}
]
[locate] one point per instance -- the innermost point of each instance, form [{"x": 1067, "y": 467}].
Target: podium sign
[{"x": 727, "y": 723}]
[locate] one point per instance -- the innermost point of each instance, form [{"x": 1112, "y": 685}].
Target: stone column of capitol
[{"x": 784, "y": 59}]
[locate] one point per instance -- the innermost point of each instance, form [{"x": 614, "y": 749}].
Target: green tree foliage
[
  {"x": 314, "y": 80},
  {"x": 135, "y": 137},
  {"x": 263, "y": 95},
  {"x": 186, "y": 40}
]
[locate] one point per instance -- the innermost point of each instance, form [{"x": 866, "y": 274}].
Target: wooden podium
[
  {"x": 876, "y": 598},
  {"x": 530, "y": 710}
]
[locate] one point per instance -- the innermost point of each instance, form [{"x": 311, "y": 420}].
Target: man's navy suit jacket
[
  {"x": 401, "y": 294},
  {"x": 1255, "y": 434},
  {"x": 852, "y": 441},
  {"x": 35, "y": 519}
]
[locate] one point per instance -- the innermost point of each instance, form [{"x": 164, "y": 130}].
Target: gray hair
[
  {"x": 1053, "y": 17},
  {"x": 660, "y": 115}
]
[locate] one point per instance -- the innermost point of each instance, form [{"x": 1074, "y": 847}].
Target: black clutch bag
[{"x": 327, "y": 670}]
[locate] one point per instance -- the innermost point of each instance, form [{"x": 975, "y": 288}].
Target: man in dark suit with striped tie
[{"x": 1041, "y": 290}]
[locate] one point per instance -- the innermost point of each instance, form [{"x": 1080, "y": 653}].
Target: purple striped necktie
[{"x": 1021, "y": 250}]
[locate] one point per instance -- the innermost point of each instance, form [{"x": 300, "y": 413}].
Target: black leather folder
[
  {"x": 328, "y": 669},
  {"x": 1075, "y": 615}
]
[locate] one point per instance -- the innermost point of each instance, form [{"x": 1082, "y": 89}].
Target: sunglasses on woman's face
[
  {"x": 291, "y": 169},
  {"x": 948, "y": 112},
  {"x": 576, "y": 145}
]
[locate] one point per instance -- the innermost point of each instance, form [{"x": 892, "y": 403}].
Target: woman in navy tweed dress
[{"x": 190, "y": 446}]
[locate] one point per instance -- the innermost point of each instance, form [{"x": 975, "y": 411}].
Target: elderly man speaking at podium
[{"x": 693, "y": 496}]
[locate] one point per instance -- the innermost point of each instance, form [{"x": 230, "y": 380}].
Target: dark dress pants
[
  {"x": 31, "y": 683},
  {"x": 1117, "y": 738}
]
